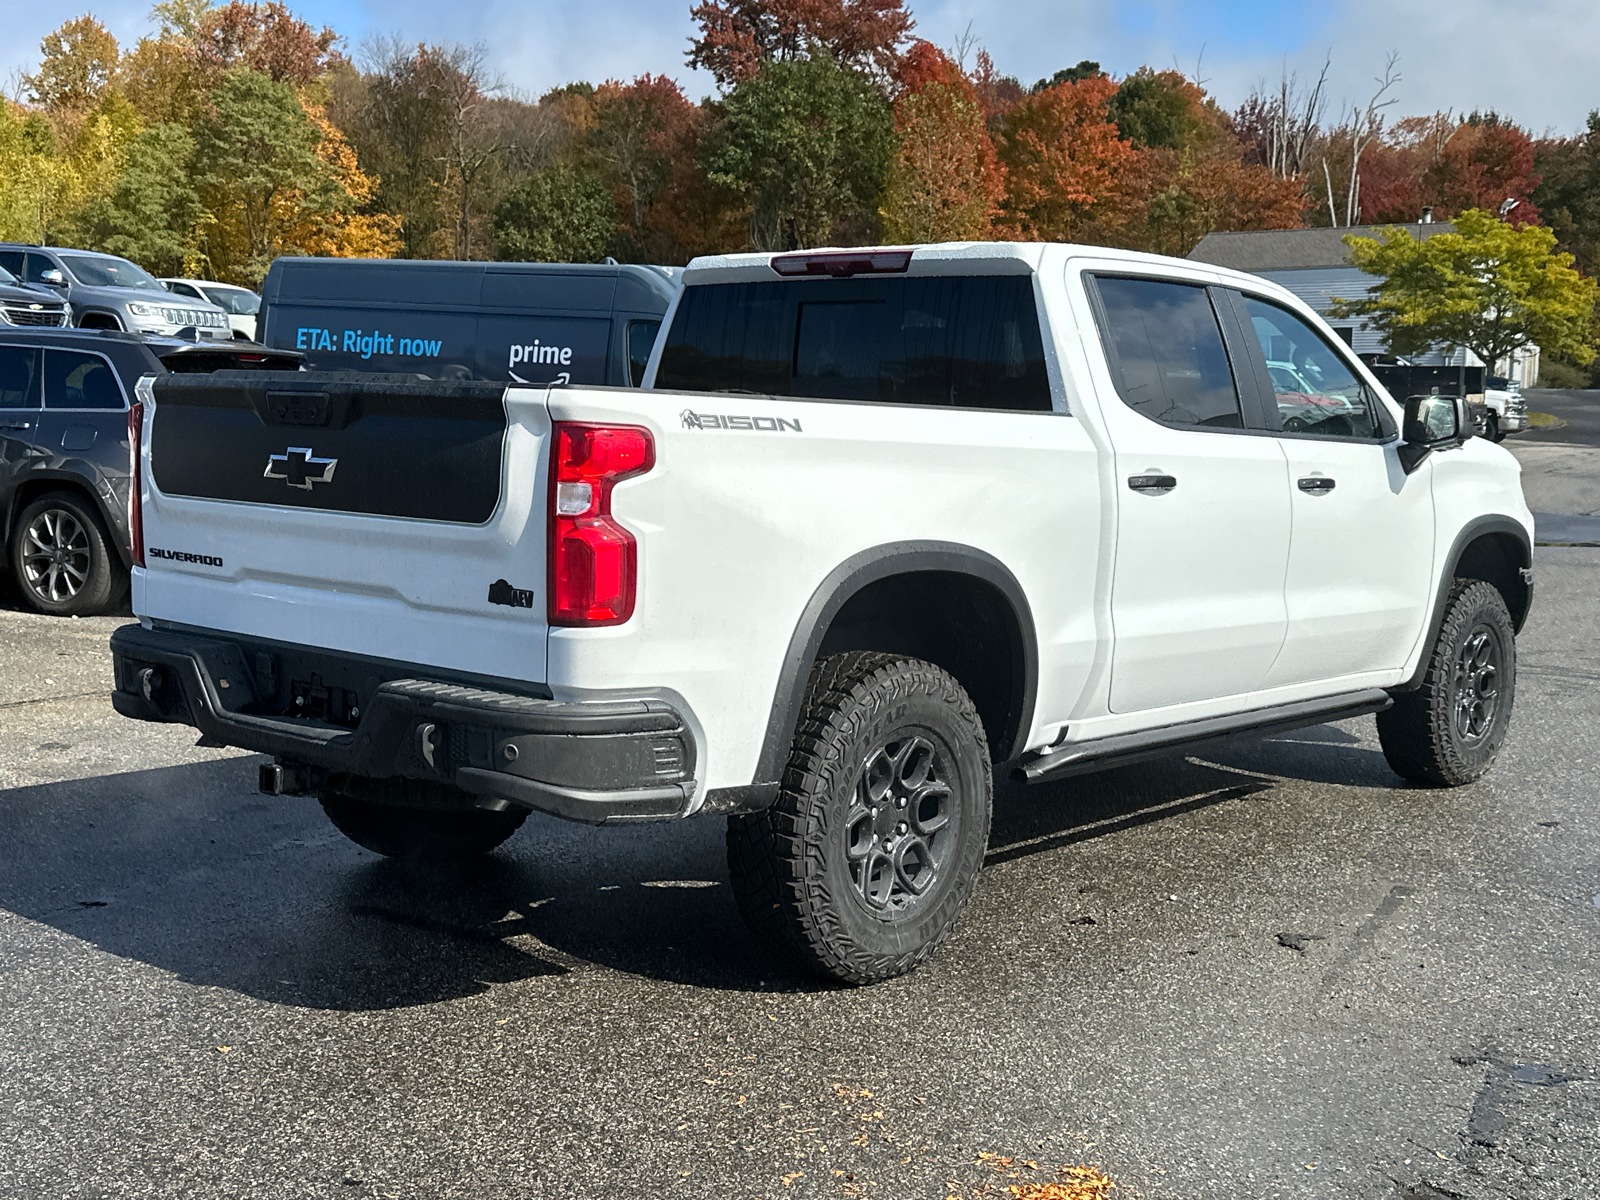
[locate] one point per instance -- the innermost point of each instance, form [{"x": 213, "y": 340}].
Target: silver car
[{"x": 104, "y": 291}]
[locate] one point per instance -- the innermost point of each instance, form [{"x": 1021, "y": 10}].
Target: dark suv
[{"x": 64, "y": 467}]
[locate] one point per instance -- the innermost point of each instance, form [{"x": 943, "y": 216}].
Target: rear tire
[
  {"x": 863, "y": 864},
  {"x": 62, "y": 558},
  {"x": 418, "y": 834},
  {"x": 1448, "y": 731},
  {"x": 1491, "y": 428}
]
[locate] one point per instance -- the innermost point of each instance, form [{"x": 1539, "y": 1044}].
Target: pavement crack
[{"x": 57, "y": 699}]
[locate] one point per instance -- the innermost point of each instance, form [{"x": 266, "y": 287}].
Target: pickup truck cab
[{"x": 880, "y": 523}]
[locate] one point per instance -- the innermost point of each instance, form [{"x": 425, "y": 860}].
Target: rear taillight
[
  {"x": 593, "y": 559},
  {"x": 135, "y": 510}
]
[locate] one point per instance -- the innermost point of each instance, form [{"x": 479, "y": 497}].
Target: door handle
[
  {"x": 1317, "y": 485},
  {"x": 16, "y": 425},
  {"x": 1154, "y": 484}
]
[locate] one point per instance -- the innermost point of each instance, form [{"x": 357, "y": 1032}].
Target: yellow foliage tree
[{"x": 343, "y": 232}]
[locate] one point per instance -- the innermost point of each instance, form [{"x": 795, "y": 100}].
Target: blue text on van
[{"x": 359, "y": 341}]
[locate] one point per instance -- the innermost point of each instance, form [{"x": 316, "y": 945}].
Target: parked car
[
  {"x": 1504, "y": 409},
  {"x": 241, "y": 304},
  {"x": 29, "y": 307},
  {"x": 64, "y": 463},
  {"x": 511, "y": 322},
  {"x": 880, "y": 523},
  {"x": 104, "y": 291}
]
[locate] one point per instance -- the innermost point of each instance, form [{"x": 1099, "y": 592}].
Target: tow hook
[{"x": 286, "y": 779}]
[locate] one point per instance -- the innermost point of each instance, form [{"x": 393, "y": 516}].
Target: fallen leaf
[
  {"x": 223, "y": 1049},
  {"x": 788, "y": 1180}
]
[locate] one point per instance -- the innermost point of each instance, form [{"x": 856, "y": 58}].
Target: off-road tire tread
[
  {"x": 775, "y": 856},
  {"x": 1415, "y": 732}
]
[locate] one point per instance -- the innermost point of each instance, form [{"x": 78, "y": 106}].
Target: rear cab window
[{"x": 955, "y": 341}]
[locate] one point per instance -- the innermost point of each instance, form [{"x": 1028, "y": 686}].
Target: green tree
[
  {"x": 1488, "y": 286},
  {"x": 1160, "y": 109},
  {"x": 1086, "y": 69},
  {"x": 151, "y": 214},
  {"x": 259, "y": 175},
  {"x": 806, "y": 144},
  {"x": 559, "y": 214}
]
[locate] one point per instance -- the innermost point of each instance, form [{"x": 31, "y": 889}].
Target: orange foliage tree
[
  {"x": 737, "y": 36},
  {"x": 1064, "y": 161},
  {"x": 945, "y": 181}
]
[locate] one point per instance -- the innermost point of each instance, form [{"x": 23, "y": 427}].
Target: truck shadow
[{"x": 188, "y": 870}]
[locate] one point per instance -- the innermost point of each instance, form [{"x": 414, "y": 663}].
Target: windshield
[
  {"x": 237, "y": 301},
  {"x": 97, "y": 271}
]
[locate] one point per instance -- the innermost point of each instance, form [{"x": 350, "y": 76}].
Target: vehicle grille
[{"x": 28, "y": 316}]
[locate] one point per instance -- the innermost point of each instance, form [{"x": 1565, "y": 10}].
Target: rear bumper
[{"x": 601, "y": 762}]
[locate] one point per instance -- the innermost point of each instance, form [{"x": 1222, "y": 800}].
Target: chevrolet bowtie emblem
[{"x": 299, "y": 468}]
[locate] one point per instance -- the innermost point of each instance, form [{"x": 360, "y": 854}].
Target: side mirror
[
  {"x": 1433, "y": 423},
  {"x": 53, "y": 277}
]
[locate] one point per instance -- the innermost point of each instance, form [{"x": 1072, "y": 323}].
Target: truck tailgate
[{"x": 379, "y": 515}]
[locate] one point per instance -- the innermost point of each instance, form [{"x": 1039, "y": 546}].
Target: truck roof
[{"x": 954, "y": 258}]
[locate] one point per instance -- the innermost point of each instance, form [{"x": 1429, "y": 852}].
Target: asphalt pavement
[
  {"x": 1272, "y": 971},
  {"x": 1578, "y": 414}
]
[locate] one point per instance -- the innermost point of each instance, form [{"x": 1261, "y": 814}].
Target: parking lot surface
[{"x": 1274, "y": 971}]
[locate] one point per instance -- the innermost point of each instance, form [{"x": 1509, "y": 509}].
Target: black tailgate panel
[{"x": 393, "y": 446}]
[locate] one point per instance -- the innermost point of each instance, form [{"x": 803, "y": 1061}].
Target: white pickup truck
[{"x": 880, "y": 523}]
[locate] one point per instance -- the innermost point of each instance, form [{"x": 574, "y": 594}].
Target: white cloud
[{"x": 1537, "y": 62}]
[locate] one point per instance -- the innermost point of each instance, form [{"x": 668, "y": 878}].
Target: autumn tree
[
  {"x": 636, "y": 131},
  {"x": 1161, "y": 109},
  {"x": 264, "y": 37},
  {"x": 804, "y": 144},
  {"x": 1085, "y": 69},
  {"x": 78, "y": 62},
  {"x": 737, "y": 37},
  {"x": 1568, "y": 192},
  {"x": 1064, "y": 159},
  {"x": 945, "y": 181},
  {"x": 1488, "y": 286}
]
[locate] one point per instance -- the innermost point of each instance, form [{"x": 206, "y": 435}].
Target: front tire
[
  {"x": 417, "y": 834},
  {"x": 62, "y": 558},
  {"x": 1491, "y": 428},
  {"x": 1448, "y": 731},
  {"x": 863, "y": 864}
]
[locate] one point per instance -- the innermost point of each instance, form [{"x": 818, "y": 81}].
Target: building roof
[{"x": 1294, "y": 249}]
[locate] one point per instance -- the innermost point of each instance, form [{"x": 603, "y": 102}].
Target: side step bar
[{"x": 1098, "y": 754}]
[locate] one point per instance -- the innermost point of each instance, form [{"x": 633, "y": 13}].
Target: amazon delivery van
[{"x": 524, "y": 322}]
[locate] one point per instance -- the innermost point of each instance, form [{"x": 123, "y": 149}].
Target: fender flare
[
  {"x": 1470, "y": 532},
  {"x": 67, "y": 481},
  {"x": 847, "y": 579}
]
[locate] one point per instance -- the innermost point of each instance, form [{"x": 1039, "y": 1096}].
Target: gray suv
[
  {"x": 64, "y": 465},
  {"x": 104, "y": 291}
]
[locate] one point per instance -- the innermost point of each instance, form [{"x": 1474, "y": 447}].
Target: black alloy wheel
[
  {"x": 1448, "y": 730},
  {"x": 1475, "y": 691},
  {"x": 903, "y": 824},
  {"x": 872, "y": 849}
]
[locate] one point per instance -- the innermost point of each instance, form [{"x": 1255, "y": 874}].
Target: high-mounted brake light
[
  {"x": 593, "y": 559},
  {"x": 135, "y": 508},
  {"x": 843, "y": 265}
]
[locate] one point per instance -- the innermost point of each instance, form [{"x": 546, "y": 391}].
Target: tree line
[{"x": 234, "y": 133}]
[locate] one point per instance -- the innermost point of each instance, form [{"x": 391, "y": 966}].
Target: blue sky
[{"x": 1537, "y": 61}]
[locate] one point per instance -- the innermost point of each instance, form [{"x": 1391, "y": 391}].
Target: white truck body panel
[{"x": 1235, "y": 591}]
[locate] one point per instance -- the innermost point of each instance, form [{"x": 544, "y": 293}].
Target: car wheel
[
  {"x": 62, "y": 557},
  {"x": 1491, "y": 427},
  {"x": 863, "y": 864},
  {"x": 1448, "y": 731},
  {"x": 446, "y": 829}
]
